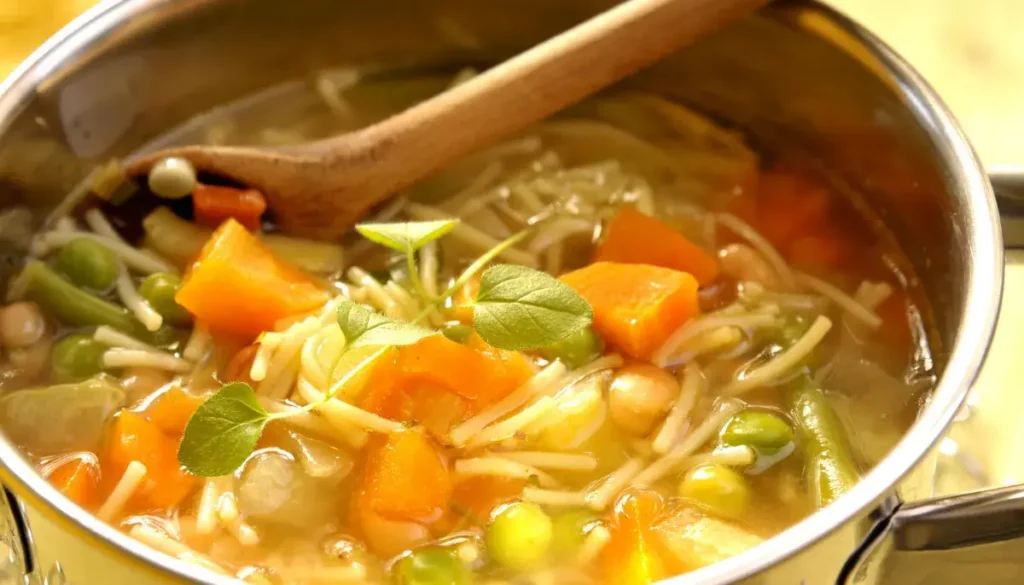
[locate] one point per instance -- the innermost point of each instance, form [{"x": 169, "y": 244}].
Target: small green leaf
[
  {"x": 519, "y": 308},
  {"x": 408, "y": 236},
  {"x": 223, "y": 432},
  {"x": 362, "y": 326}
]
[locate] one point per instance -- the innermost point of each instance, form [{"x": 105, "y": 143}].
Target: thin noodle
[
  {"x": 206, "y": 511},
  {"x": 597, "y": 538},
  {"x": 843, "y": 300},
  {"x": 130, "y": 481},
  {"x": 781, "y": 363},
  {"x": 553, "y": 460},
  {"x": 693, "y": 380},
  {"x": 134, "y": 302},
  {"x": 667, "y": 463},
  {"x": 742, "y": 229},
  {"x": 128, "y": 358},
  {"x": 554, "y": 498},
  {"x": 500, "y": 467},
  {"x": 599, "y": 498},
  {"x": 539, "y": 384},
  {"x": 666, "y": 354},
  {"x": 133, "y": 257},
  {"x": 507, "y": 428},
  {"x": 199, "y": 344}
]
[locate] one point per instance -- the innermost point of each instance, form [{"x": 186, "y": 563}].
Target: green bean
[
  {"x": 159, "y": 289},
  {"x": 764, "y": 431},
  {"x": 576, "y": 350},
  {"x": 72, "y": 305},
  {"x": 75, "y": 358},
  {"x": 830, "y": 465},
  {"x": 88, "y": 264}
]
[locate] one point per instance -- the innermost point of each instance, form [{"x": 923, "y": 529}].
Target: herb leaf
[
  {"x": 406, "y": 237},
  {"x": 362, "y": 326},
  {"x": 223, "y": 432},
  {"x": 519, "y": 308}
]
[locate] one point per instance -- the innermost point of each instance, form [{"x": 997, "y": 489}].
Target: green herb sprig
[{"x": 517, "y": 308}]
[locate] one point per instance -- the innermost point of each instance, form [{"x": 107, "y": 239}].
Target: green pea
[
  {"x": 569, "y": 531},
  {"x": 576, "y": 350},
  {"x": 519, "y": 535},
  {"x": 159, "y": 289},
  {"x": 764, "y": 431},
  {"x": 457, "y": 332},
  {"x": 432, "y": 566},
  {"x": 717, "y": 488},
  {"x": 75, "y": 358},
  {"x": 88, "y": 264}
]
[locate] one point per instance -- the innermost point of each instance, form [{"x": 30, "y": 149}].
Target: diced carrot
[
  {"x": 635, "y": 238},
  {"x": 406, "y": 478},
  {"x": 372, "y": 384},
  {"x": 442, "y": 362},
  {"x": 636, "y": 306},
  {"x": 133, "y": 438},
  {"x": 213, "y": 205},
  {"x": 171, "y": 410},
  {"x": 632, "y": 556},
  {"x": 461, "y": 308},
  {"x": 512, "y": 369},
  {"x": 239, "y": 286},
  {"x": 240, "y": 365},
  {"x": 78, "y": 478}
]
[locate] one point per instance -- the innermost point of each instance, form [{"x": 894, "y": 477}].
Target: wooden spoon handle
[{"x": 539, "y": 82}]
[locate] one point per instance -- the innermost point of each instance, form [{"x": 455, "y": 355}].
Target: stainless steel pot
[{"x": 797, "y": 74}]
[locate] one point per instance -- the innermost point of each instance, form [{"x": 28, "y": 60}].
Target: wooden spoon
[{"x": 319, "y": 189}]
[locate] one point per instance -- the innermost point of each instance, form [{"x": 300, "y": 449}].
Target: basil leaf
[
  {"x": 408, "y": 236},
  {"x": 519, "y": 308},
  {"x": 362, "y": 326},
  {"x": 223, "y": 432}
]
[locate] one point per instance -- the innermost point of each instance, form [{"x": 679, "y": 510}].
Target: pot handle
[
  {"x": 1008, "y": 185},
  {"x": 977, "y": 537}
]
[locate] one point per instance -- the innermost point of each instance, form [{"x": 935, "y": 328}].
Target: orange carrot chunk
[
  {"x": 636, "y": 306},
  {"x": 239, "y": 286},
  {"x": 632, "y": 555},
  {"x": 406, "y": 478},
  {"x": 634, "y": 238},
  {"x": 445, "y": 363},
  {"x": 171, "y": 410},
  {"x": 78, "y": 479},
  {"x": 133, "y": 438},
  {"x": 213, "y": 205}
]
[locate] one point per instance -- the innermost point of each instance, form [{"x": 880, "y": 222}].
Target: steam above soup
[{"x": 617, "y": 348}]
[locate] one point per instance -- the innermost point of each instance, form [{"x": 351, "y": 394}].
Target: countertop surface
[{"x": 972, "y": 52}]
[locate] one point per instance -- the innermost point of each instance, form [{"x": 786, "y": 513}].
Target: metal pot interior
[{"x": 796, "y": 76}]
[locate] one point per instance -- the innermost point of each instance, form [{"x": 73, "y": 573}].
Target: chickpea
[
  {"x": 21, "y": 325},
  {"x": 743, "y": 263},
  {"x": 31, "y": 360},
  {"x": 640, "y": 395}
]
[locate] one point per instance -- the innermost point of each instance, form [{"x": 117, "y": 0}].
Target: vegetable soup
[{"x": 619, "y": 347}]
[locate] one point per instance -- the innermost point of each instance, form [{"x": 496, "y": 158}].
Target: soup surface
[{"x": 622, "y": 346}]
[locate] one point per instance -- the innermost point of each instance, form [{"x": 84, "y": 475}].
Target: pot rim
[{"x": 984, "y": 275}]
